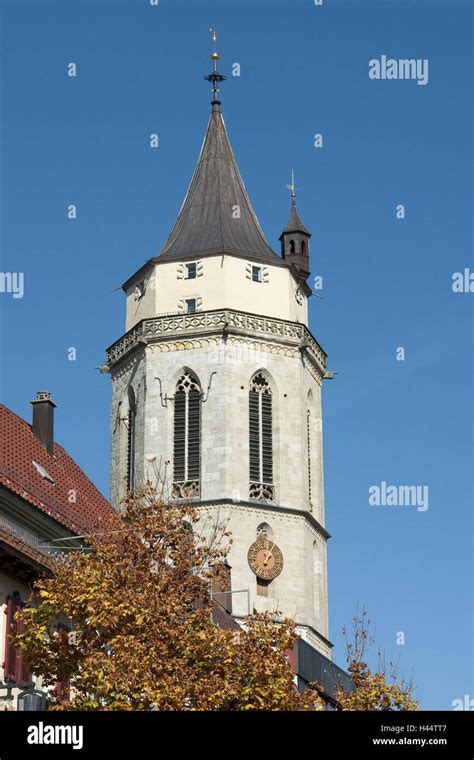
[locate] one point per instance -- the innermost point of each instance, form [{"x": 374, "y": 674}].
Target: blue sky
[{"x": 387, "y": 282}]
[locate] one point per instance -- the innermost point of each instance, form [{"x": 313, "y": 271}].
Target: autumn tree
[
  {"x": 138, "y": 604},
  {"x": 382, "y": 690}
]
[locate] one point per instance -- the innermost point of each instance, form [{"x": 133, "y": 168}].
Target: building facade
[
  {"x": 47, "y": 506},
  {"x": 216, "y": 386}
]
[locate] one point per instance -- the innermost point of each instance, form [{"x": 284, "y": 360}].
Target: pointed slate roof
[
  {"x": 294, "y": 222},
  {"x": 206, "y": 222}
]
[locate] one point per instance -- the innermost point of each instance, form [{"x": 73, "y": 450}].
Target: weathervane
[
  {"x": 292, "y": 188},
  {"x": 214, "y": 76},
  {"x": 214, "y": 40}
]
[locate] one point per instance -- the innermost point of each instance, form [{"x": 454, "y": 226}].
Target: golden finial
[
  {"x": 214, "y": 55},
  {"x": 215, "y": 77}
]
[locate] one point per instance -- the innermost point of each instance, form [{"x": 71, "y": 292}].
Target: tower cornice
[
  {"x": 219, "y": 322},
  {"x": 162, "y": 260},
  {"x": 272, "y": 508}
]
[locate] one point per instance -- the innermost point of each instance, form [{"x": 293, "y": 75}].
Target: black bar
[{"x": 139, "y": 734}]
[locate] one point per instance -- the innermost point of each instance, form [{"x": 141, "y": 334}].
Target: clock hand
[
  {"x": 270, "y": 551},
  {"x": 268, "y": 554}
]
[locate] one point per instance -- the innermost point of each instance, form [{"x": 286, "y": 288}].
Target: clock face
[{"x": 265, "y": 559}]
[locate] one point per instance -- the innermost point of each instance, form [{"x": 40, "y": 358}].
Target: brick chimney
[{"x": 43, "y": 419}]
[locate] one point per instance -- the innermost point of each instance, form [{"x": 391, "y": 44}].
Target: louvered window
[
  {"x": 260, "y": 439},
  {"x": 187, "y": 437},
  {"x": 14, "y": 668},
  {"x": 131, "y": 438}
]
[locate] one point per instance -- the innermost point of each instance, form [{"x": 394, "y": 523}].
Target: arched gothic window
[
  {"x": 187, "y": 437},
  {"x": 131, "y": 439},
  {"x": 292, "y": 246},
  {"x": 303, "y": 247},
  {"x": 260, "y": 439}
]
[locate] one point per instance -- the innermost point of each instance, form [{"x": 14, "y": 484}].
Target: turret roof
[{"x": 294, "y": 222}]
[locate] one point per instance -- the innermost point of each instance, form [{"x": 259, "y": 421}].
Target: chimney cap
[{"x": 42, "y": 396}]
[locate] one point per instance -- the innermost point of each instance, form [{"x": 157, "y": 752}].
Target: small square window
[
  {"x": 190, "y": 271},
  {"x": 190, "y": 305},
  {"x": 256, "y": 274}
]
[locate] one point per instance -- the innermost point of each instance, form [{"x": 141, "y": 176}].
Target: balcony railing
[
  {"x": 220, "y": 320},
  {"x": 37, "y": 543}
]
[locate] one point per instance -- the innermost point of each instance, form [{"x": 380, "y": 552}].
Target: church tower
[{"x": 218, "y": 379}]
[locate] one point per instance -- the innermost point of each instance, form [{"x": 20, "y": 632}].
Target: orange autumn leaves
[
  {"x": 137, "y": 603},
  {"x": 142, "y": 638}
]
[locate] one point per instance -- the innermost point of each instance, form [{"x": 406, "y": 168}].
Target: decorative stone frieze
[{"x": 288, "y": 336}]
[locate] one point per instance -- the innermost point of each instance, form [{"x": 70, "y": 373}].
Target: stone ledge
[
  {"x": 263, "y": 506},
  {"x": 224, "y": 322}
]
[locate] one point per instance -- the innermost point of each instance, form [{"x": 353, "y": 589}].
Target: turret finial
[
  {"x": 214, "y": 76},
  {"x": 292, "y": 187}
]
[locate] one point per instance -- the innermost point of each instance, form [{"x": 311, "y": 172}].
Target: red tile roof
[{"x": 90, "y": 513}]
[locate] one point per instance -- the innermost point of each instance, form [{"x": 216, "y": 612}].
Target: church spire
[
  {"x": 217, "y": 215},
  {"x": 295, "y": 237}
]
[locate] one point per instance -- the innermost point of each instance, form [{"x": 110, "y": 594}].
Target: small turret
[{"x": 295, "y": 239}]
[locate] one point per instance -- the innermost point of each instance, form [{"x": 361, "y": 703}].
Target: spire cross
[{"x": 214, "y": 76}]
